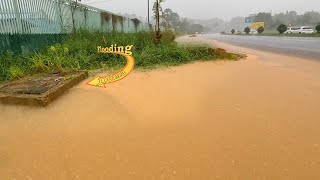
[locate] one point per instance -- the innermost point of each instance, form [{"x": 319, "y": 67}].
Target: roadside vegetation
[
  {"x": 260, "y": 30},
  {"x": 285, "y": 34},
  {"x": 318, "y": 28},
  {"x": 247, "y": 30},
  {"x": 290, "y": 35},
  {"x": 281, "y": 29},
  {"x": 309, "y": 22},
  {"x": 79, "y": 52}
]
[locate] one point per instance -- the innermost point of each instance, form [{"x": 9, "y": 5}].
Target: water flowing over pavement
[
  {"x": 252, "y": 119},
  {"x": 305, "y": 47}
]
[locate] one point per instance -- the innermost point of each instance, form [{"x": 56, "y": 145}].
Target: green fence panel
[{"x": 28, "y": 43}]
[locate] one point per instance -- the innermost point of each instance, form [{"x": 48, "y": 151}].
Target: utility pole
[
  {"x": 158, "y": 16},
  {"x": 158, "y": 33}
]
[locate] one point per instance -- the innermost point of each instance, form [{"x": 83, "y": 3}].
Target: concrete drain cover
[{"x": 39, "y": 90}]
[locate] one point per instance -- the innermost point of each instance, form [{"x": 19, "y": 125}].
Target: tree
[
  {"x": 247, "y": 30},
  {"x": 318, "y": 28},
  {"x": 260, "y": 30},
  {"x": 157, "y": 7},
  {"x": 285, "y": 18},
  {"x": 184, "y": 26},
  {"x": 309, "y": 18},
  {"x": 170, "y": 18},
  {"x": 264, "y": 17},
  {"x": 233, "y": 31},
  {"x": 157, "y": 15},
  {"x": 282, "y": 28},
  {"x": 196, "y": 28},
  {"x": 237, "y": 23}
]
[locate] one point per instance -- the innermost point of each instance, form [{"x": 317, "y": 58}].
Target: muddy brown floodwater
[{"x": 252, "y": 119}]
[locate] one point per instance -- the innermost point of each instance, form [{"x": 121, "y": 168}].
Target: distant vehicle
[
  {"x": 306, "y": 30},
  {"x": 253, "y": 31},
  {"x": 290, "y": 30},
  {"x": 299, "y": 30}
]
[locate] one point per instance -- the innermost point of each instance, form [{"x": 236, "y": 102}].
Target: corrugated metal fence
[
  {"x": 59, "y": 16},
  {"x": 29, "y": 25}
]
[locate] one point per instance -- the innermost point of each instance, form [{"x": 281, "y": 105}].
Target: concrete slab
[{"x": 39, "y": 90}]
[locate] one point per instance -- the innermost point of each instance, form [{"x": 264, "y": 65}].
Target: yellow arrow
[{"x": 102, "y": 81}]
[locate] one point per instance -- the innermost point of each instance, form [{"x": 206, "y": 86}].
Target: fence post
[{"x": 18, "y": 16}]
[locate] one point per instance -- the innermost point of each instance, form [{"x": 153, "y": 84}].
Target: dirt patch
[
  {"x": 40, "y": 89},
  {"x": 223, "y": 54}
]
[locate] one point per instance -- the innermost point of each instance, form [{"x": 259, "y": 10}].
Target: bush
[
  {"x": 260, "y": 30},
  {"x": 282, "y": 28},
  {"x": 168, "y": 36},
  {"x": 247, "y": 30},
  {"x": 233, "y": 31},
  {"x": 13, "y": 67},
  {"x": 15, "y": 72},
  {"x": 318, "y": 28}
]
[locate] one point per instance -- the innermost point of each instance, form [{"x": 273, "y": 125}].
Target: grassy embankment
[{"x": 79, "y": 52}]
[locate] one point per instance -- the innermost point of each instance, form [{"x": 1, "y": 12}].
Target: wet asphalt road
[{"x": 307, "y": 47}]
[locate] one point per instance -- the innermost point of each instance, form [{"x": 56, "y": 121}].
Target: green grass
[{"x": 79, "y": 52}]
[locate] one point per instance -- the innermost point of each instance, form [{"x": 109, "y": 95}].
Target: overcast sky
[{"x": 205, "y": 9}]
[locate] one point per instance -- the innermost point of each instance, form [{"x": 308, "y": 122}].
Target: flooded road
[
  {"x": 305, "y": 47},
  {"x": 251, "y": 119}
]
